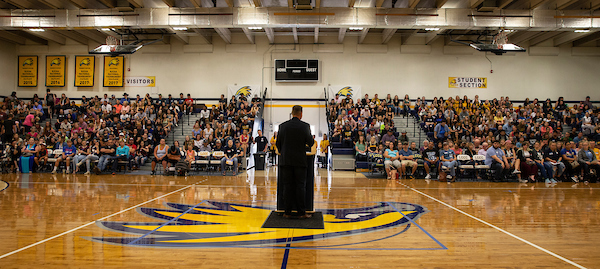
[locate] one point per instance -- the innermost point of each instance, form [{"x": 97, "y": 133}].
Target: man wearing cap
[
  {"x": 347, "y": 136},
  {"x": 121, "y": 154},
  {"x": 388, "y": 137},
  {"x": 218, "y": 146},
  {"x": 588, "y": 102},
  {"x": 337, "y": 98},
  {"x": 204, "y": 146},
  {"x": 113, "y": 100},
  {"x": 69, "y": 152},
  {"x": 406, "y": 159},
  {"x": 229, "y": 122},
  {"x": 292, "y": 139},
  {"x": 125, "y": 98},
  {"x": 441, "y": 131},
  {"x": 170, "y": 100},
  {"x": 41, "y": 157}
]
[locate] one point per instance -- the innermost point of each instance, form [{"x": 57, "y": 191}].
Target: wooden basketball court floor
[{"x": 131, "y": 221}]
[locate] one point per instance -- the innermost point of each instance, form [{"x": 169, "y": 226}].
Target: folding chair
[
  {"x": 125, "y": 164},
  {"x": 47, "y": 166},
  {"x": 215, "y": 160},
  {"x": 480, "y": 164},
  {"x": 202, "y": 159},
  {"x": 463, "y": 164},
  {"x": 51, "y": 158},
  {"x": 56, "y": 153}
]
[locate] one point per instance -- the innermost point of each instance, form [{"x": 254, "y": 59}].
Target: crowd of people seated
[
  {"x": 525, "y": 140},
  {"x": 100, "y": 133}
]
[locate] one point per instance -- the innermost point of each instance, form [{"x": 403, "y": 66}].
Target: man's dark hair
[{"x": 296, "y": 110}]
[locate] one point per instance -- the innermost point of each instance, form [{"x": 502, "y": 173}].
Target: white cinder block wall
[{"x": 205, "y": 70}]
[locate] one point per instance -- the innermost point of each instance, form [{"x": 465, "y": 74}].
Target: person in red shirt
[
  {"x": 132, "y": 151},
  {"x": 188, "y": 105}
]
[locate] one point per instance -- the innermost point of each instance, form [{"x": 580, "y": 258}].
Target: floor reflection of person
[{"x": 293, "y": 138}]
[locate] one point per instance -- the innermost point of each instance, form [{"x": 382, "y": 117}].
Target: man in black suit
[{"x": 293, "y": 138}]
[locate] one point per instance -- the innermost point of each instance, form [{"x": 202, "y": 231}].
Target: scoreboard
[{"x": 296, "y": 70}]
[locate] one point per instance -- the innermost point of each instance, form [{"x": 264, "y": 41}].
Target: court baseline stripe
[
  {"x": 93, "y": 222},
  {"x": 496, "y": 227}
]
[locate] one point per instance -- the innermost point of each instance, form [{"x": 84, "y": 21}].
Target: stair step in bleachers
[
  {"x": 412, "y": 128},
  {"x": 336, "y": 144},
  {"x": 342, "y": 151},
  {"x": 362, "y": 165},
  {"x": 342, "y": 162}
]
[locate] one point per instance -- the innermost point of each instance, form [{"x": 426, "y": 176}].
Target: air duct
[
  {"x": 488, "y": 6},
  {"x": 303, "y": 5}
]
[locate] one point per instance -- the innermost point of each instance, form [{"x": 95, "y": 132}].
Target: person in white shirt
[
  {"x": 106, "y": 107},
  {"x": 586, "y": 124},
  {"x": 483, "y": 149},
  {"x": 204, "y": 113},
  {"x": 105, "y": 98},
  {"x": 338, "y": 99}
]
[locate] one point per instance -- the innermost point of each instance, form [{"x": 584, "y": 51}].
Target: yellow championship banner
[
  {"x": 85, "y": 69},
  {"x": 55, "y": 70},
  {"x": 463, "y": 82},
  {"x": 28, "y": 71},
  {"x": 114, "y": 68}
]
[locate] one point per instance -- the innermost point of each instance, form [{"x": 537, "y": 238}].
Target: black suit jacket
[{"x": 292, "y": 139}]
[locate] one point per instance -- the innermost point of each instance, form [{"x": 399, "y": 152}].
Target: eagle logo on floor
[{"x": 221, "y": 224}]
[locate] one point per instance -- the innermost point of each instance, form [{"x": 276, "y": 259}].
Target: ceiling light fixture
[
  {"x": 37, "y": 30},
  {"x": 105, "y": 29},
  {"x": 180, "y": 28},
  {"x": 355, "y": 28},
  {"x": 432, "y": 29},
  {"x": 254, "y": 28},
  {"x": 582, "y": 31}
]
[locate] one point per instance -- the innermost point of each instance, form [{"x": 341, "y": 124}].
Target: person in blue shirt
[
  {"x": 391, "y": 161},
  {"x": 448, "y": 159},
  {"x": 69, "y": 152},
  {"x": 125, "y": 98},
  {"x": 497, "y": 161},
  {"x": 441, "y": 131},
  {"x": 569, "y": 156},
  {"x": 121, "y": 154},
  {"x": 406, "y": 160}
]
